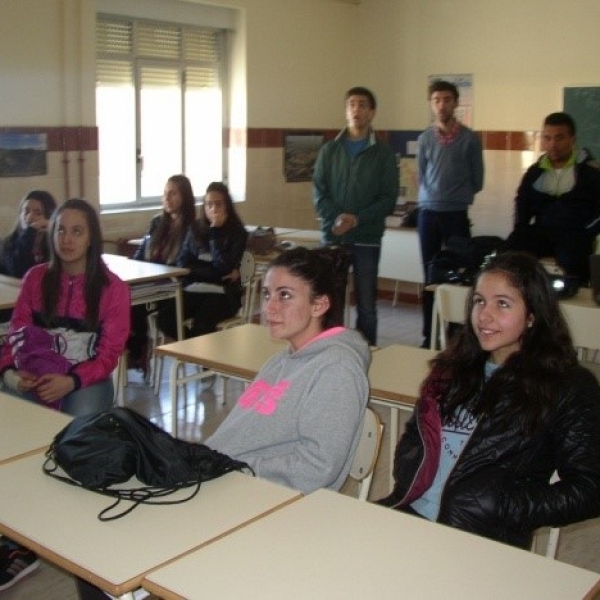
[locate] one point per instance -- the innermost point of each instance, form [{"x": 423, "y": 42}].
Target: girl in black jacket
[
  {"x": 213, "y": 252},
  {"x": 27, "y": 245},
  {"x": 162, "y": 244},
  {"x": 503, "y": 408}
]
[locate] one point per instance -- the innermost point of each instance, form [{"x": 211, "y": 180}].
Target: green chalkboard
[{"x": 583, "y": 104}]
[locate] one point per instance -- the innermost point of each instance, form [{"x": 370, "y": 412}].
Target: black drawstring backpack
[{"x": 101, "y": 450}]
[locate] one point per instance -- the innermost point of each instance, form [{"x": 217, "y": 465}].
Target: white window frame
[{"x": 215, "y": 66}]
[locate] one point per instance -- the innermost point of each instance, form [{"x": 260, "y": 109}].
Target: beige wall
[{"x": 293, "y": 60}]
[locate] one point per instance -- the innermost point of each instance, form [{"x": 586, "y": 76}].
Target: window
[{"x": 159, "y": 107}]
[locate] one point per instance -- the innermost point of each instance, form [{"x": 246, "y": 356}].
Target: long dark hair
[
  {"x": 325, "y": 270},
  {"x": 44, "y": 198},
  {"x": 529, "y": 378},
  {"x": 233, "y": 221},
  {"x": 95, "y": 271},
  {"x": 188, "y": 214}
]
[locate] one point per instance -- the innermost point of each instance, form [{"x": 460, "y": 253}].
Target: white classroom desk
[
  {"x": 26, "y": 428},
  {"x": 150, "y": 282},
  {"x": 327, "y": 545},
  {"x": 584, "y": 299},
  {"x": 8, "y": 295},
  {"x": 8, "y": 280},
  {"x": 59, "y": 522},
  {"x": 309, "y": 238},
  {"x": 238, "y": 352},
  {"x": 395, "y": 376}
]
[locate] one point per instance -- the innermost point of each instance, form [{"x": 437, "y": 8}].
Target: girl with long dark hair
[
  {"x": 504, "y": 407},
  {"x": 76, "y": 296},
  {"x": 213, "y": 252},
  {"x": 162, "y": 244},
  {"x": 27, "y": 245}
]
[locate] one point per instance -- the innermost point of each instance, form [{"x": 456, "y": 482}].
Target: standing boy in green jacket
[{"x": 355, "y": 186}]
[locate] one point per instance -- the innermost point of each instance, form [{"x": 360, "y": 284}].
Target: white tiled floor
[{"x": 580, "y": 544}]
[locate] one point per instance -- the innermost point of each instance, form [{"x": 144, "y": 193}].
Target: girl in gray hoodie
[{"x": 299, "y": 422}]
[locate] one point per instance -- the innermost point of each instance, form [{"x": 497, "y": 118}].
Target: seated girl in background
[
  {"x": 77, "y": 294},
  {"x": 27, "y": 245},
  {"x": 162, "y": 244},
  {"x": 503, "y": 408},
  {"x": 299, "y": 422},
  {"x": 212, "y": 251}
]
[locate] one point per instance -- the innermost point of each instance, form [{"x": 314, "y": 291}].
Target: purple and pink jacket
[{"x": 112, "y": 331}]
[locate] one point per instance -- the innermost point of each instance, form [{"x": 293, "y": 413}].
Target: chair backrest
[
  {"x": 449, "y": 306},
  {"x": 367, "y": 452},
  {"x": 584, "y": 325},
  {"x": 247, "y": 267},
  {"x": 250, "y": 280}
]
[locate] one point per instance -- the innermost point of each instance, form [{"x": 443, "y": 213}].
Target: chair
[
  {"x": 448, "y": 307},
  {"x": 367, "y": 452},
  {"x": 584, "y": 325},
  {"x": 251, "y": 283},
  {"x": 553, "y": 533}
]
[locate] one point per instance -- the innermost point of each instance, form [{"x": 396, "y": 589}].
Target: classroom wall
[
  {"x": 47, "y": 78},
  {"x": 293, "y": 60}
]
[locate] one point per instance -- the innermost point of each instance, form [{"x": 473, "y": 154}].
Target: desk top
[
  {"x": 583, "y": 298},
  {"x": 59, "y": 522},
  {"x": 8, "y": 280},
  {"x": 327, "y": 545},
  {"x": 310, "y": 238},
  {"x": 8, "y": 295},
  {"x": 396, "y": 373},
  {"x": 238, "y": 351},
  {"x": 138, "y": 271},
  {"x": 26, "y": 428}
]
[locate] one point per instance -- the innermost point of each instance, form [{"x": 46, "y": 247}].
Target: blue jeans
[
  {"x": 91, "y": 399},
  {"x": 435, "y": 228},
  {"x": 365, "y": 262}
]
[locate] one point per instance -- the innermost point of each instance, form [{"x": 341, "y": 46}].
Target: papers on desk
[
  {"x": 154, "y": 291},
  {"x": 205, "y": 288}
]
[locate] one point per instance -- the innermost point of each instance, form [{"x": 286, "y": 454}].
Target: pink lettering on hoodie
[{"x": 262, "y": 397}]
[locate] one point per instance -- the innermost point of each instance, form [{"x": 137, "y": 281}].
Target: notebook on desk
[{"x": 595, "y": 276}]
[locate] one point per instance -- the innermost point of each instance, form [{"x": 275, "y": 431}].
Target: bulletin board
[{"x": 583, "y": 104}]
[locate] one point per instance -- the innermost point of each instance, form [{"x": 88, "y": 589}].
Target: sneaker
[{"x": 15, "y": 563}]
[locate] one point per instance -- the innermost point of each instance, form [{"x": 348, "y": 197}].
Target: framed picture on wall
[
  {"x": 23, "y": 154},
  {"x": 300, "y": 154}
]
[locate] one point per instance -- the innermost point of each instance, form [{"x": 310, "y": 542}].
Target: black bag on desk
[
  {"x": 262, "y": 240},
  {"x": 100, "y": 450},
  {"x": 461, "y": 259}
]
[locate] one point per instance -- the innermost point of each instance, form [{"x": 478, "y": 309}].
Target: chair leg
[
  {"x": 157, "y": 371},
  {"x": 553, "y": 538},
  {"x": 395, "y": 299},
  {"x": 120, "y": 379}
]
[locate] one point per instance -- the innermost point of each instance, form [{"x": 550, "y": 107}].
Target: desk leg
[
  {"x": 394, "y": 416},
  {"x": 179, "y": 311},
  {"x": 173, "y": 385}
]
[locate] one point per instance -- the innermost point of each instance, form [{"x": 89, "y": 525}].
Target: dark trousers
[
  {"x": 435, "y": 227},
  {"x": 365, "y": 263},
  {"x": 206, "y": 311},
  {"x": 570, "y": 247}
]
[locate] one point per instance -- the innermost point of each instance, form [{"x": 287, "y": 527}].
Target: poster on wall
[
  {"x": 583, "y": 104},
  {"x": 299, "y": 156},
  {"x": 23, "y": 154},
  {"x": 464, "y": 84}
]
